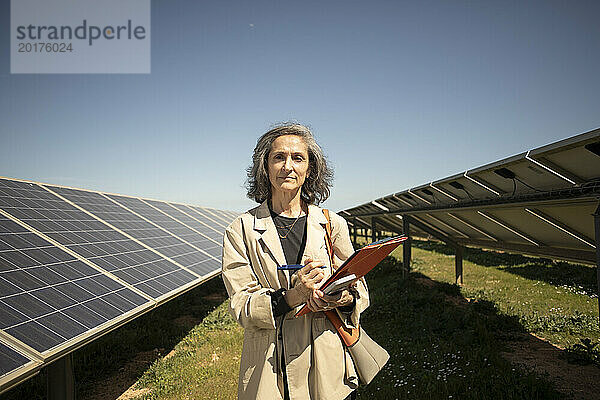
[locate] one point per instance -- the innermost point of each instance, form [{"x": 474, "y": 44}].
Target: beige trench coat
[{"x": 318, "y": 365}]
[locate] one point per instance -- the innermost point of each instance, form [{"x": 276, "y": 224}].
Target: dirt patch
[
  {"x": 132, "y": 393},
  {"x": 187, "y": 321},
  {"x": 575, "y": 381},
  {"x": 170, "y": 354},
  {"x": 217, "y": 297},
  {"x": 120, "y": 385}
]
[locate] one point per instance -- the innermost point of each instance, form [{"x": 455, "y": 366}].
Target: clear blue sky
[{"x": 397, "y": 93}]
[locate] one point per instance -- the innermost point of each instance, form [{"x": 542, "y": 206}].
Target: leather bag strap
[{"x": 348, "y": 335}]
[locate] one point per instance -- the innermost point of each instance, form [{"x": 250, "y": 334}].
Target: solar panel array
[
  {"x": 75, "y": 264},
  {"x": 538, "y": 202}
]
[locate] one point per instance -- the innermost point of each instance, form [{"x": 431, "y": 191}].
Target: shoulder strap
[
  {"x": 328, "y": 241},
  {"x": 348, "y": 335}
]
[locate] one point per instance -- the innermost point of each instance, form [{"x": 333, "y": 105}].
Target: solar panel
[
  {"x": 198, "y": 261},
  {"x": 231, "y": 214},
  {"x": 47, "y": 296},
  {"x": 189, "y": 217},
  {"x": 218, "y": 216},
  {"x": 11, "y": 360},
  {"x": 92, "y": 239},
  {"x": 537, "y": 202},
  {"x": 203, "y": 216},
  {"x": 15, "y": 365},
  {"x": 74, "y": 264}
]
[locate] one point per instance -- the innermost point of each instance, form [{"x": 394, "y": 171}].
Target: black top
[{"x": 292, "y": 234}]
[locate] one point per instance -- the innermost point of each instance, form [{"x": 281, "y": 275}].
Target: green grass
[
  {"x": 204, "y": 364},
  {"x": 445, "y": 341},
  {"x": 441, "y": 347},
  {"x": 553, "y": 299}
]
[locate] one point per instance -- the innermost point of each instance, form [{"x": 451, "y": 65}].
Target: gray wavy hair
[{"x": 316, "y": 187}]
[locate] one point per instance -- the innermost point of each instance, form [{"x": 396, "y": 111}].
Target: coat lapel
[
  {"x": 315, "y": 237},
  {"x": 264, "y": 226},
  {"x": 315, "y": 233}
]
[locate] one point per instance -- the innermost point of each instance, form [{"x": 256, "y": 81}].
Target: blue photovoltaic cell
[
  {"x": 202, "y": 216},
  {"x": 217, "y": 217},
  {"x": 229, "y": 215},
  {"x": 47, "y": 296},
  {"x": 224, "y": 216},
  {"x": 138, "y": 228},
  {"x": 214, "y": 232},
  {"x": 202, "y": 262},
  {"x": 92, "y": 239},
  {"x": 10, "y": 360}
]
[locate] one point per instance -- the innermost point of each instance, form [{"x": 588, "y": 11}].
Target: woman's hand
[
  {"x": 319, "y": 301},
  {"x": 308, "y": 279}
]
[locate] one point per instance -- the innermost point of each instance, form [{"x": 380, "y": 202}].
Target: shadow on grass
[
  {"x": 441, "y": 345},
  {"x": 557, "y": 273},
  {"x": 130, "y": 349}
]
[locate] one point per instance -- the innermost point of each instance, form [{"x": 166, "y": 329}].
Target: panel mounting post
[
  {"x": 373, "y": 230},
  {"x": 406, "y": 245},
  {"x": 597, "y": 230},
  {"x": 60, "y": 384},
  {"x": 458, "y": 265},
  {"x": 354, "y": 229}
]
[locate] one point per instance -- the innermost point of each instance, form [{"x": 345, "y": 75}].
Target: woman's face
[{"x": 288, "y": 163}]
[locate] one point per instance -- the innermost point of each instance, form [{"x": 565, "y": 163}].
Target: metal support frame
[
  {"x": 458, "y": 257},
  {"x": 433, "y": 232},
  {"x": 597, "y": 231},
  {"x": 458, "y": 266},
  {"x": 476, "y": 229},
  {"x": 510, "y": 228},
  {"x": 60, "y": 384},
  {"x": 440, "y": 221},
  {"x": 406, "y": 246},
  {"x": 388, "y": 226},
  {"x": 575, "y": 255},
  {"x": 360, "y": 229},
  {"x": 560, "y": 226},
  {"x": 373, "y": 230},
  {"x": 591, "y": 190}
]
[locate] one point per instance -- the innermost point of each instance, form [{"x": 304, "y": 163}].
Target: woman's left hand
[{"x": 322, "y": 302}]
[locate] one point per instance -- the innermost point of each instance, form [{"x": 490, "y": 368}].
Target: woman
[{"x": 286, "y": 357}]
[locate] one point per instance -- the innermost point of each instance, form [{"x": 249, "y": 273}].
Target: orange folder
[{"x": 361, "y": 262}]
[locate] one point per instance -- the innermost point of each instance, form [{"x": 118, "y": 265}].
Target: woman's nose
[{"x": 288, "y": 164}]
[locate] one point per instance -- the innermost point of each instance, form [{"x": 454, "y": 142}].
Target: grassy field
[
  {"x": 553, "y": 299},
  {"x": 445, "y": 341}
]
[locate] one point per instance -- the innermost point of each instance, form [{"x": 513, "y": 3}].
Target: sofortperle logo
[{"x": 84, "y": 31}]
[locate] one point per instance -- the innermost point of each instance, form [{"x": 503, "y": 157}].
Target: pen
[{"x": 294, "y": 267}]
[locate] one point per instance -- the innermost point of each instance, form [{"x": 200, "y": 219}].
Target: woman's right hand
[
  {"x": 309, "y": 277},
  {"x": 305, "y": 280}
]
